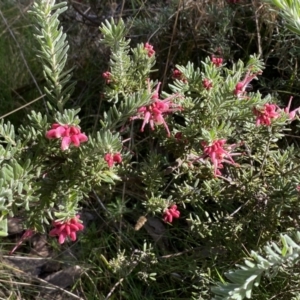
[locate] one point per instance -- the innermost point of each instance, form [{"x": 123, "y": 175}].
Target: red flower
[
  {"x": 266, "y": 114},
  {"x": 117, "y": 158},
  {"x": 64, "y": 229},
  {"x": 178, "y": 75},
  {"x": 218, "y": 154},
  {"x": 171, "y": 213},
  {"x": 111, "y": 159},
  {"x": 217, "y": 61},
  {"x": 207, "y": 84},
  {"x": 68, "y": 134},
  {"x": 149, "y": 49},
  {"x": 154, "y": 112},
  {"x": 178, "y": 136}
]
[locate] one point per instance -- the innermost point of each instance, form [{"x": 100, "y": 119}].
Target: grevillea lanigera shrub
[{"x": 205, "y": 156}]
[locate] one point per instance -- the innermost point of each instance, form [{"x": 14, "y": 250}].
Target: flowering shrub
[{"x": 226, "y": 161}]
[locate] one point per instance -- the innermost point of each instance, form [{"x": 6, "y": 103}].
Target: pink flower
[
  {"x": 149, "y": 49},
  {"x": 26, "y": 235},
  {"x": 107, "y": 76},
  {"x": 64, "y": 229},
  {"x": 298, "y": 188},
  {"x": 171, "y": 213},
  {"x": 111, "y": 159},
  {"x": 240, "y": 88},
  {"x": 68, "y": 134},
  {"x": 56, "y": 131},
  {"x": 219, "y": 153},
  {"x": 207, "y": 84},
  {"x": 154, "y": 112},
  {"x": 266, "y": 114},
  {"x": 291, "y": 114},
  {"x": 217, "y": 61}
]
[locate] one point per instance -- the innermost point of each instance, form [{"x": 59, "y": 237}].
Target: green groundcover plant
[{"x": 207, "y": 155}]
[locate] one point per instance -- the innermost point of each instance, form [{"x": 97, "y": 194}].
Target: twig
[
  {"x": 96, "y": 23},
  {"x": 122, "y": 9},
  {"x": 27, "y": 104},
  {"x": 238, "y": 209},
  {"x": 113, "y": 288},
  {"x": 100, "y": 202},
  {"x": 49, "y": 285},
  {"x": 171, "y": 43},
  {"x": 203, "y": 251},
  {"x": 260, "y": 52}
]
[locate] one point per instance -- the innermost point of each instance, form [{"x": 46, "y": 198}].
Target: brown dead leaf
[{"x": 156, "y": 229}]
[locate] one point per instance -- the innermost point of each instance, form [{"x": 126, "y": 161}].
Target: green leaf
[{"x": 3, "y": 227}]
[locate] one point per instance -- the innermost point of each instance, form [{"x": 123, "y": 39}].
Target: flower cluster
[
  {"x": 218, "y": 154},
  {"x": 149, "y": 49},
  {"x": 207, "y": 84},
  {"x": 68, "y": 135},
  {"x": 171, "y": 213},
  {"x": 107, "y": 76},
  {"x": 64, "y": 229},
  {"x": 217, "y": 61},
  {"x": 178, "y": 75},
  {"x": 111, "y": 159},
  {"x": 153, "y": 113},
  {"x": 266, "y": 114}
]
